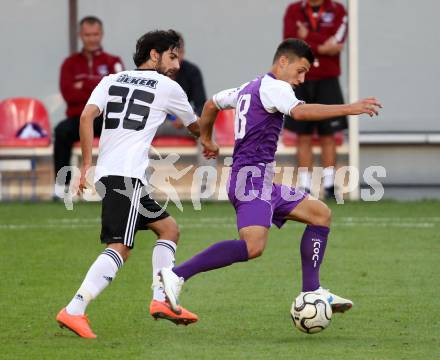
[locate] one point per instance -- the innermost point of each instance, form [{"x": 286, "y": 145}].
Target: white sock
[
  {"x": 305, "y": 179},
  {"x": 163, "y": 256},
  {"x": 99, "y": 276},
  {"x": 329, "y": 176}
]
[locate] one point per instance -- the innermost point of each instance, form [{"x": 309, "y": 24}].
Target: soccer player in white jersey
[
  {"x": 134, "y": 104},
  {"x": 259, "y": 107}
]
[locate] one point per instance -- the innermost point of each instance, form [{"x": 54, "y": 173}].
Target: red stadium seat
[
  {"x": 290, "y": 138},
  {"x": 14, "y": 114},
  {"x": 173, "y": 141},
  {"x": 224, "y": 128}
]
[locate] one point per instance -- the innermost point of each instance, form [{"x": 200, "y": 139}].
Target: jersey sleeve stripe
[{"x": 214, "y": 99}]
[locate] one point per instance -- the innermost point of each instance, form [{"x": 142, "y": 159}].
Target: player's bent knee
[
  {"x": 255, "y": 238},
  {"x": 173, "y": 234},
  {"x": 122, "y": 250},
  {"x": 255, "y": 248},
  {"x": 169, "y": 230},
  {"x": 324, "y": 216},
  {"x": 254, "y": 253},
  {"x": 328, "y": 216}
]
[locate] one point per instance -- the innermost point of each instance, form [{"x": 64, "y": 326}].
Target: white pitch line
[
  {"x": 340, "y": 218},
  {"x": 44, "y": 226},
  {"x": 228, "y": 219},
  {"x": 74, "y": 220},
  {"x": 219, "y": 222},
  {"x": 388, "y": 219},
  {"x": 185, "y": 225}
]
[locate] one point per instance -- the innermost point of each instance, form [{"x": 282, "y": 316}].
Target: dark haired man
[
  {"x": 258, "y": 202},
  {"x": 134, "y": 104},
  {"x": 80, "y": 73}
]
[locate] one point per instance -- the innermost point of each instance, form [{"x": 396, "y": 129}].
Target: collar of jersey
[{"x": 271, "y": 75}]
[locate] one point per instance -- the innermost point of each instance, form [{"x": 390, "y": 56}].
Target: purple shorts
[{"x": 258, "y": 201}]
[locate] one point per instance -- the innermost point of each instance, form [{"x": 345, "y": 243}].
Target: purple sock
[
  {"x": 219, "y": 255},
  {"x": 313, "y": 245}
]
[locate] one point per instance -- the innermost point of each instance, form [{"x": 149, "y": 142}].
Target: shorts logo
[
  {"x": 79, "y": 297},
  {"x": 108, "y": 278}
]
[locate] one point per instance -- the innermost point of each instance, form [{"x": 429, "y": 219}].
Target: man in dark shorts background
[{"x": 323, "y": 25}]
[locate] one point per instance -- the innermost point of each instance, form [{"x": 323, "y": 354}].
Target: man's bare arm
[
  {"x": 316, "y": 112},
  {"x": 88, "y": 115},
  {"x": 207, "y": 120}
]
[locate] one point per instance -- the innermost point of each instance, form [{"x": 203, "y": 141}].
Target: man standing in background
[
  {"x": 190, "y": 78},
  {"x": 80, "y": 73},
  {"x": 323, "y": 25}
]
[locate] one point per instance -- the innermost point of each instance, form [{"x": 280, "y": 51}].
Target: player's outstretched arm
[
  {"x": 88, "y": 115},
  {"x": 207, "y": 120},
  {"x": 316, "y": 112}
]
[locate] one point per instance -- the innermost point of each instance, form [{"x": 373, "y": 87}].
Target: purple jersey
[{"x": 259, "y": 108}]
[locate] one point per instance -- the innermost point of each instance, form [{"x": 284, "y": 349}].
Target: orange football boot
[
  {"x": 162, "y": 310},
  {"x": 79, "y": 324}
]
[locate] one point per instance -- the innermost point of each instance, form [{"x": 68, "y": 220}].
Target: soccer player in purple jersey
[{"x": 258, "y": 202}]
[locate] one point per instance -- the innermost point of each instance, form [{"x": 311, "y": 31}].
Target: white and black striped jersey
[{"x": 134, "y": 104}]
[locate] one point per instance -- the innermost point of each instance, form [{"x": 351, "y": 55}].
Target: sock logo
[
  {"x": 316, "y": 250},
  {"x": 108, "y": 278},
  {"x": 79, "y": 297}
]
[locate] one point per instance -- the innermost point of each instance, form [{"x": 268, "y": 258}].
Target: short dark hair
[
  {"x": 159, "y": 40},
  {"x": 294, "y": 47},
  {"x": 90, "y": 20}
]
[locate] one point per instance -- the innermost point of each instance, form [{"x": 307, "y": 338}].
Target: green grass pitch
[{"x": 384, "y": 256}]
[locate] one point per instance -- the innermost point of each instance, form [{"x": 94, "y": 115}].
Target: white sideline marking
[
  {"x": 78, "y": 223},
  {"x": 222, "y": 222},
  {"x": 44, "y": 226}
]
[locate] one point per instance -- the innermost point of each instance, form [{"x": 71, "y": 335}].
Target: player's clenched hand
[
  {"x": 368, "y": 106},
  {"x": 210, "y": 149},
  {"x": 83, "y": 180}
]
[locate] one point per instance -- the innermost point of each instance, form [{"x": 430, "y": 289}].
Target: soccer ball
[{"x": 311, "y": 312}]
